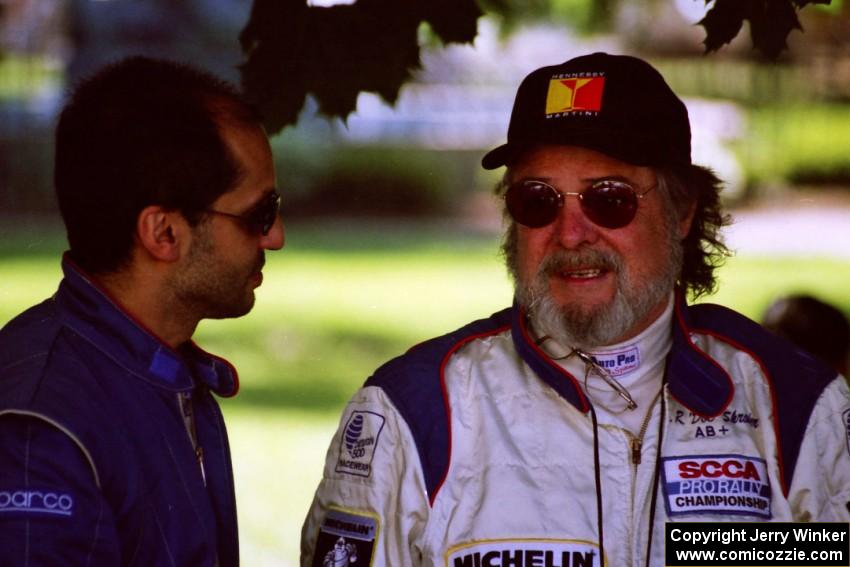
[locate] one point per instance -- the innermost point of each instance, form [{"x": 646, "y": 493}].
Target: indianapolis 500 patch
[{"x": 359, "y": 440}]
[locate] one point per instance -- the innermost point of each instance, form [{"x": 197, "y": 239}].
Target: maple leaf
[
  {"x": 335, "y": 53},
  {"x": 770, "y": 22},
  {"x": 770, "y": 25},
  {"x": 452, "y": 20},
  {"x": 723, "y": 22}
]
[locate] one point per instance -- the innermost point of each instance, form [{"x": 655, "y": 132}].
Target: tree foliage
[
  {"x": 770, "y": 22},
  {"x": 334, "y": 53}
]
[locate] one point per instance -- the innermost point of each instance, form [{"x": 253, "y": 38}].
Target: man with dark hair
[
  {"x": 112, "y": 446},
  {"x": 569, "y": 428}
]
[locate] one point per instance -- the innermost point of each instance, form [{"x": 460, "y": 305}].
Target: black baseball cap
[{"x": 615, "y": 104}]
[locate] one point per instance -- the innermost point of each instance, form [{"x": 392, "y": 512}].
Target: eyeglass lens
[
  {"x": 265, "y": 214},
  {"x": 609, "y": 204}
]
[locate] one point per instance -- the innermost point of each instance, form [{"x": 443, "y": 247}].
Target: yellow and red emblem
[{"x": 575, "y": 95}]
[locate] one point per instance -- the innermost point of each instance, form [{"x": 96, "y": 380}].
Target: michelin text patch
[
  {"x": 346, "y": 538},
  {"x": 359, "y": 440},
  {"x": 716, "y": 484},
  {"x": 541, "y": 552}
]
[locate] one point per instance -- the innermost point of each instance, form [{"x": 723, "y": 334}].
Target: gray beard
[{"x": 581, "y": 327}]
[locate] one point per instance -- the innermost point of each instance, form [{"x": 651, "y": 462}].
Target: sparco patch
[
  {"x": 716, "y": 484},
  {"x": 346, "y": 538},
  {"x": 537, "y": 552},
  {"x": 41, "y": 502},
  {"x": 359, "y": 440},
  {"x": 619, "y": 362}
]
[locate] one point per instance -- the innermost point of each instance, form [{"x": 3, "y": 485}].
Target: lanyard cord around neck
[
  {"x": 597, "y": 470},
  {"x": 654, "y": 501},
  {"x": 656, "y": 475}
]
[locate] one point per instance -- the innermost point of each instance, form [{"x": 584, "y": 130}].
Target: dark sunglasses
[
  {"x": 261, "y": 217},
  {"x": 608, "y": 203}
]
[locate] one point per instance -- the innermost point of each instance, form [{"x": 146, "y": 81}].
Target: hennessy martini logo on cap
[
  {"x": 574, "y": 94},
  {"x": 617, "y": 105}
]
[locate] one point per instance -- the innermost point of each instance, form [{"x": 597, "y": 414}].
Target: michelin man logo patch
[
  {"x": 345, "y": 539},
  {"x": 359, "y": 440},
  {"x": 716, "y": 484}
]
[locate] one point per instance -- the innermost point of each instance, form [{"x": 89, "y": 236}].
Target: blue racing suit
[{"x": 113, "y": 450}]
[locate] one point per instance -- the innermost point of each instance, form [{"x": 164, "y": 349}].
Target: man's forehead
[{"x": 588, "y": 163}]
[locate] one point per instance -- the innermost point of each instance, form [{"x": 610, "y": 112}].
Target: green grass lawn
[{"x": 336, "y": 303}]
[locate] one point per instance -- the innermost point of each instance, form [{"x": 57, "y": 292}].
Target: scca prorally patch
[
  {"x": 716, "y": 484},
  {"x": 40, "y": 502},
  {"x": 549, "y": 553},
  {"x": 346, "y": 538},
  {"x": 359, "y": 441}
]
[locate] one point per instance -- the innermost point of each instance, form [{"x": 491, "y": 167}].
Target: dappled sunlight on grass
[
  {"x": 323, "y": 321},
  {"x": 25, "y": 282},
  {"x": 749, "y": 284},
  {"x": 277, "y": 460}
]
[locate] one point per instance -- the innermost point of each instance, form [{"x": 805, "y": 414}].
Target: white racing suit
[{"x": 475, "y": 449}]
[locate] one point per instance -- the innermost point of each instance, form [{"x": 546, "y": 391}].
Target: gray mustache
[{"x": 563, "y": 260}]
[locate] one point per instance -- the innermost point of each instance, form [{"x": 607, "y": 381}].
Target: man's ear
[
  {"x": 686, "y": 219},
  {"x": 160, "y": 232}
]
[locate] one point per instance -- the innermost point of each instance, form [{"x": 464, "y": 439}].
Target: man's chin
[
  {"x": 234, "y": 309},
  {"x": 581, "y": 312},
  {"x": 578, "y": 325}
]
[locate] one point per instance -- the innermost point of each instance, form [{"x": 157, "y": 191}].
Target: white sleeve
[
  {"x": 820, "y": 491},
  {"x": 372, "y": 494}
]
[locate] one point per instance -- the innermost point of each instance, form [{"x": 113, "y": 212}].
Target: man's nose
[
  {"x": 276, "y": 237},
  {"x": 573, "y": 228}
]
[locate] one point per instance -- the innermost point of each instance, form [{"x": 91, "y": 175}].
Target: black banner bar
[{"x": 757, "y": 544}]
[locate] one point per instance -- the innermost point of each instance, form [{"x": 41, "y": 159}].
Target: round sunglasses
[
  {"x": 261, "y": 217},
  {"x": 608, "y": 203}
]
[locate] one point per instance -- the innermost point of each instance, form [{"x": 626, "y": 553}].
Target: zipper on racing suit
[
  {"x": 187, "y": 410},
  {"x": 636, "y": 443},
  {"x": 635, "y": 456}
]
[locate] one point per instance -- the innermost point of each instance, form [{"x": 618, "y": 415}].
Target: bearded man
[{"x": 569, "y": 428}]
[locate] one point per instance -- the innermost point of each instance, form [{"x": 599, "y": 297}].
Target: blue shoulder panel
[
  {"x": 796, "y": 379},
  {"x": 414, "y": 384}
]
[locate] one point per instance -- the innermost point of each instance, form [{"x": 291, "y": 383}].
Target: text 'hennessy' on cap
[{"x": 615, "y": 104}]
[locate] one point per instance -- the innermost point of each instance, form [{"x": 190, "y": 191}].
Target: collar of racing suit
[
  {"x": 636, "y": 364},
  {"x": 88, "y": 309},
  {"x": 694, "y": 379}
]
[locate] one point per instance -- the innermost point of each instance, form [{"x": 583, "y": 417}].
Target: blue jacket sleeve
[{"x": 52, "y": 511}]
